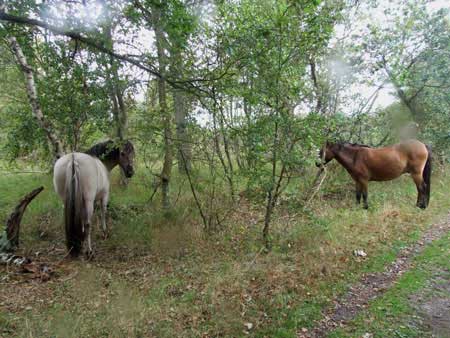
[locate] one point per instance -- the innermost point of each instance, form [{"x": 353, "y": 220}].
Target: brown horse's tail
[
  {"x": 73, "y": 210},
  {"x": 426, "y": 175}
]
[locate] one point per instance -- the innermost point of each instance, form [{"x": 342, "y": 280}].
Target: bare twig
[
  {"x": 194, "y": 194},
  {"x": 316, "y": 185}
]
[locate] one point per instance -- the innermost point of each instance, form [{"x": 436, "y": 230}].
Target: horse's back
[
  {"x": 93, "y": 174},
  {"x": 390, "y": 162},
  {"x": 412, "y": 148}
]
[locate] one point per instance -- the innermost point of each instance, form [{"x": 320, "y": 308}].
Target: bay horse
[
  {"x": 81, "y": 179},
  {"x": 365, "y": 164}
]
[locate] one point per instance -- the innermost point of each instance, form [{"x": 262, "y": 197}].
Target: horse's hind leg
[
  {"x": 89, "y": 207},
  {"x": 104, "y": 204},
  {"x": 89, "y": 251},
  {"x": 421, "y": 196}
]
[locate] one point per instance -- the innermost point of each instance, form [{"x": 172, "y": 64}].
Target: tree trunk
[
  {"x": 119, "y": 111},
  {"x": 318, "y": 92},
  {"x": 216, "y": 138},
  {"x": 122, "y": 127},
  {"x": 408, "y": 102},
  {"x": 184, "y": 153},
  {"x": 227, "y": 153},
  {"x": 415, "y": 111},
  {"x": 33, "y": 98},
  {"x": 181, "y": 107},
  {"x": 167, "y": 164},
  {"x": 270, "y": 205},
  {"x": 118, "y": 105},
  {"x": 115, "y": 90},
  {"x": 166, "y": 118}
]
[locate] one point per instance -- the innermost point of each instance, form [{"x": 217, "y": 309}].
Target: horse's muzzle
[{"x": 129, "y": 172}]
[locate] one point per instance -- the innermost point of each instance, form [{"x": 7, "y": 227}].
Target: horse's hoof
[
  {"x": 421, "y": 205},
  {"x": 366, "y": 207}
]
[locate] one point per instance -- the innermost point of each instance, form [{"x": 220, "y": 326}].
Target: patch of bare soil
[
  {"x": 373, "y": 285},
  {"x": 24, "y": 285},
  {"x": 433, "y": 305}
]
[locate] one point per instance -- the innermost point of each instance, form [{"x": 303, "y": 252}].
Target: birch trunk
[{"x": 33, "y": 98}]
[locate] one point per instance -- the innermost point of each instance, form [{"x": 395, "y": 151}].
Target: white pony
[{"x": 80, "y": 179}]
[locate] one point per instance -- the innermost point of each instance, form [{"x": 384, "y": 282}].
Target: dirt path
[
  {"x": 432, "y": 304},
  {"x": 373, "y": 285}
]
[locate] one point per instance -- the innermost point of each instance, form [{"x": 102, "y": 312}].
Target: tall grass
[{"x": 162, "y": 275}]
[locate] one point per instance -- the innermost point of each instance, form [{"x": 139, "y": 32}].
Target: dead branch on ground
[{"x": 9, "y": 239}]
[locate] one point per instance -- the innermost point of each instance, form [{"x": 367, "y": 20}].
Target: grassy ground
[{"x": 162, "y": 276}]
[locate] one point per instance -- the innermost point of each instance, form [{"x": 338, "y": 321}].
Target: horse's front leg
[
  {"x": 364, "y": 185},
  {"x": 358, "y": 193},
  {"x": 361, "y": 190}
]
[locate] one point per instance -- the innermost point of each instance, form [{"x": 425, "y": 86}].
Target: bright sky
[
  {"x": 371, "y": 15},
  {"x": 377, "y": 16}
]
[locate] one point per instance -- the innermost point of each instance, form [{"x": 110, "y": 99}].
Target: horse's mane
[
  {"x": 354, "y": 144},
  {"x": 104, "y": 150},
  {"x": 108, "y": 150}
]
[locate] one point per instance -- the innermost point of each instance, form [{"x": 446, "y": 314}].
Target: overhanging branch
[
  {"x": 76, "y": 36},
  {"x": 184, "y": 84}
]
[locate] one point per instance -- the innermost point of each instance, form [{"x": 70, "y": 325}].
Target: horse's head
[
  {"x": 126, "y": 158},
  {"x": 326, "y": 154},
  {"x": 113, "y": 153}
]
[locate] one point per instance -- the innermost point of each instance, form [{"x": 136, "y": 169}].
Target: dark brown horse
[{"x": 365, "y": 164}]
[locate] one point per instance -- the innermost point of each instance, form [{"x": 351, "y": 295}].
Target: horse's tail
[
  {"x": 426, "y": 175},
  {"x": 73, "y": 209}
]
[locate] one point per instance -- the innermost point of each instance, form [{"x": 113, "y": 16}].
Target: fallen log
[{"x": 9, "y": 238}]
